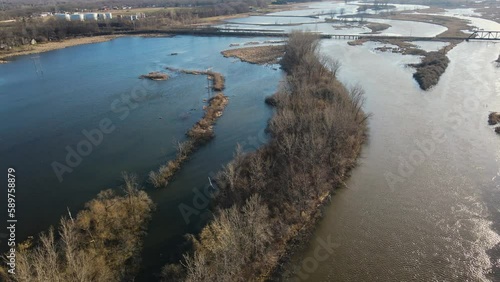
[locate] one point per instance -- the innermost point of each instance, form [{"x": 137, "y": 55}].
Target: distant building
[
  {"x": 90, "y": 17},
  {"x": 65, "y": 17},
  {"x": 76, "y": 17}
]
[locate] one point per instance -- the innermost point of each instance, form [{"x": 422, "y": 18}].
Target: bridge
[
  {"x": 214, "y": 31},
  {"x": 484, "y": 35}
]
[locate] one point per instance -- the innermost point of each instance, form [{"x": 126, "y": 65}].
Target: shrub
[{"x": 101, "y": 244}]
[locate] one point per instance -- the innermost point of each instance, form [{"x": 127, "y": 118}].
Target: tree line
[
  {"x": 101, "y": 243},
  {"x": 25, "y": 29}
]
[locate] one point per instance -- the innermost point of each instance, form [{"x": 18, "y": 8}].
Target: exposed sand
[{"x": 44, "y": 47}]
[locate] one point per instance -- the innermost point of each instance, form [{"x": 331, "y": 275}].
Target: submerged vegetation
[
  {"x": 201, "y": 133},
  {"x": 269, "y": 197},
  {"x": 102, "y": 243}
]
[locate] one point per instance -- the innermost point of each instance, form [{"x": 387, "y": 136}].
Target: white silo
[
  {"x": 76, "y": 17},
  {"x": 91, "y": 17},
  {"x": 62, "y": 17}
]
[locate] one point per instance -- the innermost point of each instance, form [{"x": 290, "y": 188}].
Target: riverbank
[
  {"x": 455, "y": 26},
  {"x": 268, "y": 198},
  {"x": 50, "y": 46}
]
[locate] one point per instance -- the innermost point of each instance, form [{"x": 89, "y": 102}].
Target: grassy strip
[
  {"x": 217, "y": 78},
  {"x": 257, "y": 55},
  {"x": 268, "y": 198},
  {"x": 53, "y": 45},
  {"x": 199, "y": 134},
  {"x": 102, "y": 243}
]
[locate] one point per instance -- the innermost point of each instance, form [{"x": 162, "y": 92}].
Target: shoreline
[
  {"x": 70, "y": 42},
  {"x": 56, "y": 45}
]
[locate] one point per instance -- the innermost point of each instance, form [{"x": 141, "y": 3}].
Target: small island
[
  {"x": 155, "y": 76},
  {"x": 257, "y": 55}
]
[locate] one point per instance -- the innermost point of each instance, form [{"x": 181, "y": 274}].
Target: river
[{"x": 421, "y": 205}]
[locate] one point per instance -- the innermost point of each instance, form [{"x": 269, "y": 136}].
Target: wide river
[{"x": 421, "y": 206}]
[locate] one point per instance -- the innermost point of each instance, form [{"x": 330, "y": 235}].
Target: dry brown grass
[
  {"x": 201, "y": 133},
  {"x": 257, "y": 55},
  {"x": 431, "y": 68},
  {"x": 493, "y": 118},
  {"x": 218, "y": 80},
  {"x": 155, "y": 76}
]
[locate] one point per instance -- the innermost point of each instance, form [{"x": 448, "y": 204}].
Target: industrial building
[{"x": 84, "y": 17}]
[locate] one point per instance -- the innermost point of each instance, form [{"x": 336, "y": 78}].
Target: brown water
[{"x": 423, "y": 203}]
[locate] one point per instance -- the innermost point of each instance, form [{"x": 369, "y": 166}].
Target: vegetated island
[
  {"x": 494, "y": 119},
  {"x": 269, "y": 198},
  {"x": 433, "y": 64},
  {"x": 155, "y": 76},
  {"x": 201, "y": 133},
  {"x": 376, "y": 27},
  {"x": 257, "y": 55},
  {"x": 101, "y": 243}
]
